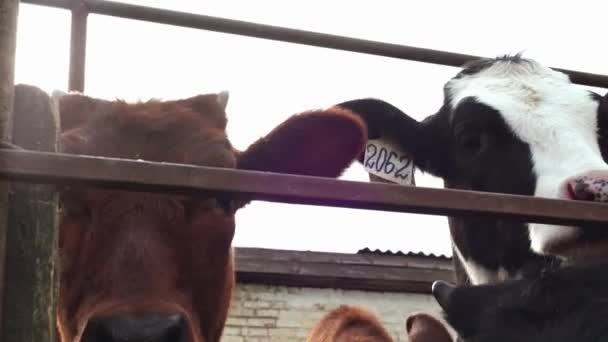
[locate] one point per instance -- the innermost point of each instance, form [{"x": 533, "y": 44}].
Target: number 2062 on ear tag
[{"x": 385, "y": 161}]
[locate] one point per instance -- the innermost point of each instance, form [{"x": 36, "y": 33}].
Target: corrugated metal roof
[{"x": 367, "y": 250}]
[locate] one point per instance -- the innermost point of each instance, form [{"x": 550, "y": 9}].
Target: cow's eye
[
  {"x": 226, "y": 204},
  {"x": 470, "y": 141},
  {"x": 74, "y": 208},
  {"x": 223, "y": 203}
]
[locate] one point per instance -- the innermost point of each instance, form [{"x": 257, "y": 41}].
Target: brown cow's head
[
  {"x": 158, "y": 267},
  {"x": 349, "y": 323}
]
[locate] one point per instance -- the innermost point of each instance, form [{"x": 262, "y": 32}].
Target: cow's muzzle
[{"x": 149, "y": 327}]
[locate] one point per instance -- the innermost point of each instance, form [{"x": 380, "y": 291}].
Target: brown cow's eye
[
  {"x": 73, "y": 208},
  {"x": 188, "y": 207},
  {"x": 225, "y": 204}
]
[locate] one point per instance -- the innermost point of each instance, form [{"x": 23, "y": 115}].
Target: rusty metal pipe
[
  {"x": 209, "y": 23},
  {"x": 135, "y": 175},
  {"x": 78, "y": 46}
]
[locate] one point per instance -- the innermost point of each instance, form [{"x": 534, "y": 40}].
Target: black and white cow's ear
[
  {"x": 443, "y": 291},
  {"x": 421, "y": 140}
]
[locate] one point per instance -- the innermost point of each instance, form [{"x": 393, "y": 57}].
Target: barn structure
[{"x": 280, "y": 293}]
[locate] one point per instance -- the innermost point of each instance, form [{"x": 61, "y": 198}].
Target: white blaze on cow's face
[{"x": 555, "y": 118}]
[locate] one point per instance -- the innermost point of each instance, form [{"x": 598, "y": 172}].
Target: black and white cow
[
  {"x": 508, "y": 125},
  {"x": 565, "y": 305}
]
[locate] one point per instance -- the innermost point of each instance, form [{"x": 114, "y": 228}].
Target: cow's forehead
[
  {"x": 523, "y": 81},
  {"x": 531, "y": 98}
]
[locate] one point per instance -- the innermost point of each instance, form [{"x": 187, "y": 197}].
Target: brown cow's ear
[
  {"x": 319, "y": 143},
  {"x": 423, "y": 327},
  {"x": 315, "y": 143},
  {"x": 75, "y": 108},
  {"x": 222, "y": 99},
  {"x": 205, "y": 103},
  {"x": 209, "y": 105}
]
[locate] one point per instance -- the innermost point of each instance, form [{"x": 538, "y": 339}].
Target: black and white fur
[
  {"x": 507, "y": 125},
  {"x": 565, "y": 305}
]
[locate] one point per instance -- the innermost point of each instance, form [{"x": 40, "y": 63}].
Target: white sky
[{"x": 268, "y": 81}]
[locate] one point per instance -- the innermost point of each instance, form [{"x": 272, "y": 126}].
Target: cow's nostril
[
  {"x": 571, "y": 192},
  {"x": 137, "y": 328},
  {"x": 588, "y": 189}
]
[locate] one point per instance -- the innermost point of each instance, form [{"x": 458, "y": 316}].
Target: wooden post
[
  {"x": 31, "y": 250},
  {"x": 8, "y": 38}
]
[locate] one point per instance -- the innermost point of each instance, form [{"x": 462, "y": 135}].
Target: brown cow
[
  {"x": 349, "y": 324},
  {"x": 156, "y": 267},
  {"x": 422, "y": 327}
]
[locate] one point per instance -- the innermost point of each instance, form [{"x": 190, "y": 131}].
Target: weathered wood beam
[
  {"x": 31, "y": 250},
  {"x": 8, "y": 38},
  {"x": 371, "y": 272}
]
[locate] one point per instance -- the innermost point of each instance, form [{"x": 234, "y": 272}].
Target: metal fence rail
[
  {"x": 187, "y": 179},
  {"x": 209, "y": 23}
]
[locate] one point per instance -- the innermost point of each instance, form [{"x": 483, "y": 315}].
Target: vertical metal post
[
  {"x": 78, "y": 45},
  {"x": 8, "y": 38}
]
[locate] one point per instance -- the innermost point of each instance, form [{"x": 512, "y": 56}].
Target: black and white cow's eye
[{"x": 470, "y": 142}]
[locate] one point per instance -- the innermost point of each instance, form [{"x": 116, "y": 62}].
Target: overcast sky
[{"x": 268, "y": 81}]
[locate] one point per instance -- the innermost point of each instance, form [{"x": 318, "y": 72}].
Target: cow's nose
[
  {"x": 137, "y": 328},
  {"x": 590, "y": 186}
]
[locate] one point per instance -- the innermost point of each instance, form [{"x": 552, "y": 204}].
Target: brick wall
[{"x": 280, "y": 313}]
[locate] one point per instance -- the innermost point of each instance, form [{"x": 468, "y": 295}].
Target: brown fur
[
  {"x": 423, "y": 327},
  {"x": 135, "y": 252},
  {"x": 349, "y": 324}
]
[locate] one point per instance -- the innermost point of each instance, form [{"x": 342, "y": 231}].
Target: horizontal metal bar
[
  {"x": 65, "y": 4},
  {"x": 187, "y": 179},
  {"x": 250, "y": 29}
]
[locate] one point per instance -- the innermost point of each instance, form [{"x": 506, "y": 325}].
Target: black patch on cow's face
[
  {"x": 602, "y": 123},
  {"x": 496, "y": 244},
  {"x": 469, "y": 146},
  {"x": 483, "y": 155},
  {"x": 564, "y": 305},
  {"x": 487, "y": 155}
]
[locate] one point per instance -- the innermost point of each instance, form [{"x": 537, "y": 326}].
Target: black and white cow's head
[
  {"x": 507, "y": 125},
  {"x": 564, "y": 305}
]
